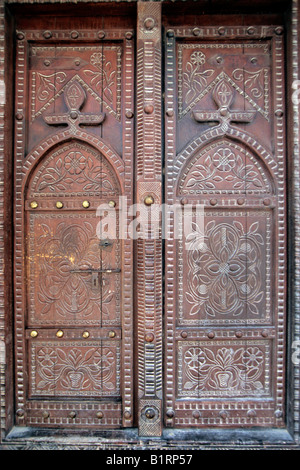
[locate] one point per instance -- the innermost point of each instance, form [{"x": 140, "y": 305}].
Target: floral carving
[
  {"x": 252, "y": 80},
  {"x": 224, "y": 276},
  {"x": 48, "y": 83},
  {"x": 227, "y": 167},
  {"x": 69, "y": 370},
  {"x": 75, "y": 168},
  {"x": 222, "y": 370},
  {"x": 67, "y": 256},
  {"x": 195, "y": 77},
  {"x": 104, "y": 77}
]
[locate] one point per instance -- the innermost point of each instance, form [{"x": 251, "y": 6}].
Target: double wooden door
[{"x": 150, "y": 228}]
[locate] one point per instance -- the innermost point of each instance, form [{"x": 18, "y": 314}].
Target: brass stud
[
  {"x": 59, "y": 205},
  {"x": 74, "y": 34},
  {"x": 46, "y": 414},
  {"x": 184, "y": 334},
  {"x": 20, "y": 35},
  {"x": 129, "y": 114},
  {"x": 72, "y": 414},
  {"x": 127, "y": 414},
  {"x": 47, "y": 34},
  {"x": 33, "y": 205},
  {"x": 112, "y": 204},
  {"x": 149, "y": 23},
  {"x": 170, "y": 413},
  {"x": 112, "y": 334},
  {"x": 149, "y": 337},
  {"x": 85, "y": 334},
  {"x": 251, "y": 30},
  {"x": 73, "y": 115},
  {"x": 170, "y": 33},
  {"x": 20, "y": 413},
  {"x": 85, "y": 204},
  {"x": 279, "y": 30},
  {"x": 33, "y": 334},
  {"x": 59, "y": 333},
  {"x": 101, "y": 34},
  {"x": 239, "y": 334},
  {"x": 211, "y": 334},
  {"x": 150, "y": 413},
  {"x": 149, "y": 108},
  {"x": 149, "y": 200},
  {"x": 223, "y": 414},
  {"x": 99, "y": 414}
]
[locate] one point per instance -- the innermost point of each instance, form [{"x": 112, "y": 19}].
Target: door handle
[
  {"x": 95, "y": 274},
  {"x": 97, "y": 271}
]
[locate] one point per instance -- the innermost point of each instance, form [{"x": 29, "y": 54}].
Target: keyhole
[{"x": 95, "y": 280}]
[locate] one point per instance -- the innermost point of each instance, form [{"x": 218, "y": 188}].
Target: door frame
[{"x": 19, "y": 439}]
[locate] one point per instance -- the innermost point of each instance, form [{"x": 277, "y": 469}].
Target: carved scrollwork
[
  {"x": 68, "y": 370},
  {"x": 223, "y": 370}
]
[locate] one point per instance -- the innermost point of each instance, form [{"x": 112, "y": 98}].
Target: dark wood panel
[
  {"x": 225, "y": 270},
  {"x": 73, "y": 155}
]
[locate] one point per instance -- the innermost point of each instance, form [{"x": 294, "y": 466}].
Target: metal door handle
[{"x": 91, "y": 271}]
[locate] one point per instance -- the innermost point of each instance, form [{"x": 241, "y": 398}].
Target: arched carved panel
[
  {"x": 74, "y": 169},
  {"x": 224, "y": 167}
]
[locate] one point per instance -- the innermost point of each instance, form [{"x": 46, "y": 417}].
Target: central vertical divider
[{"x": 149, "y": 198}]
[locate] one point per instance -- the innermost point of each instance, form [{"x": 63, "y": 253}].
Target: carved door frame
[{"x": 149, "y": 183}]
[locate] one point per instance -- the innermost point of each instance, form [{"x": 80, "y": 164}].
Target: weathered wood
[{"x": 73, "y": 153}]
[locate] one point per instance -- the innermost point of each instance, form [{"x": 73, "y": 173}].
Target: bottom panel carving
[
  {"x": 75, "y": 368},
  {"x": 224, "y": 369}
]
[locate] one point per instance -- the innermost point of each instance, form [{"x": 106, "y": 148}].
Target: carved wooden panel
[
  {"x": 225, "y": 270},
  {"x": 73, "y": 155}
]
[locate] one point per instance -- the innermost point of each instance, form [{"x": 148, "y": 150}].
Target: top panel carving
[
  {"x": 72, "y": 83},
  {"x": 223, "y": 84}
]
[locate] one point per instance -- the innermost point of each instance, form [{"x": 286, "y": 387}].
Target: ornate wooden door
[
  {"x": 201, "y": 343},
  {"x": 74, "y": 163},
  {"x": 225, "y": 272}
]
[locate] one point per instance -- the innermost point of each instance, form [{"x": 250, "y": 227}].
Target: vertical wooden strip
[
  {"x": 295, "y": 283},
  {"x": 149, "y": 251}
]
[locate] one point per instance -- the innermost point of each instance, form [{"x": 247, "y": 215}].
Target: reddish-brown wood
[
  {"x": 75, "y": 322},
  {"x": 73, "y": 153},
  {"x": 225, "y": 279}
]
